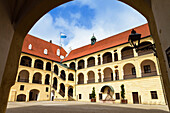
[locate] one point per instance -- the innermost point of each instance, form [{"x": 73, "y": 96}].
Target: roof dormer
[
  {"x": 30, "y": 46},
  {"x": 45, "y": 51}
]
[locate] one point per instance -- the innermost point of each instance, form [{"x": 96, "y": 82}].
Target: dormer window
[
  {"x": 58, "y": 52},
  {"x": 30, "y": 47},
  {"x": 45, "y": 51},
  {"x": 62, "y": 57}
]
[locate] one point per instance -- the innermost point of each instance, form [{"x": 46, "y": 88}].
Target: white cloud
[{"x": 108, "y": 20}]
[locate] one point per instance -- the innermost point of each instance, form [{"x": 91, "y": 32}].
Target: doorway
[{"x": 135, "y": 97}]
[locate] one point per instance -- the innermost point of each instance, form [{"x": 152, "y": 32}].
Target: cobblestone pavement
[{"x": 82, "y": 107}]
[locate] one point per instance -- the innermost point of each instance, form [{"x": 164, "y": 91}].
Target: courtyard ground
[{"x": 82, "y": 107}]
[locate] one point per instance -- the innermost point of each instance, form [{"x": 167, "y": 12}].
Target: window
[
  {"x": 46, "y": 89},
  {"x": 22, "y": 87},
  {"x": 117, "y": 96},
  {"x": 45, "y": 51},
  {"x": 154, "y": 95},
  {"x": 58, "y": 52},
  {"x": 30, "y": 47},
  {"x": 147, "y": 69},
  {"x": 90, "y": 96},
  {"x": 100, "y": 96},
  {"x": 79, "y": 96},
  {"x": 133, "y": 71},
  {"x": 61, "y": 57}
]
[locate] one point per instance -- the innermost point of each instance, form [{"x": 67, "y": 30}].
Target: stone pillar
[
  {"x": 43, "y": 78},
  {"x": 113, "y": 56},
  {"x": 121, "y": 73},
  {"x": 102, "y": 77},
  {"x": 119, "y": 54},
  {"x": 44, "y": 65},
  {"x": 138, "y": 69},
  {"x": 66, "y": 91},
  {"x": 96, "y": 60},
  {"x": 27, "y": 96},
  {"x": 85, "y": 78},
  {"x": 85, "y": 63},
  {"x": 67, "y": 73},
  {"x": 32, "y": 63},
  {"x": 101, "y": 59},
  {"x": 134, "y": 52},
  {"x": 96, "y": 76}
]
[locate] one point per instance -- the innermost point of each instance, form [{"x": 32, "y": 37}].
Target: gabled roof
[
  {"x": 112, "y": 41},
  {"x": 38, "y": 46}
]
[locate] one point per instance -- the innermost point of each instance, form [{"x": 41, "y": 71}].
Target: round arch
[
  {"x": 71, "y": 77},
  {"x": 34, "y": 95},
  {"x": 129, "y": 71},
  {"x": 107, "y": 57},
  {"x": 26, "y": 61},
  {"x": 80, "y": 78},
  {"x": 148, "y": 68},
  {"x": 90, "y": 62},
  {"x": 108, "y": 74},
  {"x": 23, "y": 76},
  {"x": 91, "y": 77},
  {"x": 21, "y": 97},
  {"x": 37, "y": 78},
  {"x": 127, "y": 52}
]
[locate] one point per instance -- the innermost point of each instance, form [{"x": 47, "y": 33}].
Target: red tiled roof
[
  {"x": 38, "y": 46},
  {"x": 107, "y": 43}
]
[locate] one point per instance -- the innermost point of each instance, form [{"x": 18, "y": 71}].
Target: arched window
[
  {"x": 48, "y": 66},
  {"x": 37, "y": 78},
  {"x": 127, "y": 52},
  {"x": 90, "y": 62},
  {"x": 148, "y": 68},
  {"x": 146, "y": 51},
  {"x": 63, "y": 75},
  {"x": 91, "y": 77},
  {"x": 81, "y": 78},
  {"x": 26, "y": 61},
  {"x": 108, "y": 75},
  {"x": 129, "y": 71},
  {"x": 23, "y": 76},
  {"x": 72, "y": 65},
  {"x": 70, "y": 91},
  {"x": 107, "y": 57},
  {"x": 81, "y": 64},
  {"x": 38, "y": 64},
  {"x": 47, "y": 78},
  {"x": 55, "y": 83},
  {"x": 62, "y": 90},
  {"x": 45, "y": 51},
  {"x": 30, "y": 46},
  {"x": 21, "y": 97},
  {"x": 71, "y": 77},
  {"x": 33, "y": 95},
  {"x": 56, "y": 69}
]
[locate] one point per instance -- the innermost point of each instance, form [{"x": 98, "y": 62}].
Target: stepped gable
[
  {"x": 112, "y": 41},
  {"x": 38, "y": 46}
]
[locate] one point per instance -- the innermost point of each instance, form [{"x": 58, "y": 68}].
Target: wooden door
[{"x": 135, "y": 97}]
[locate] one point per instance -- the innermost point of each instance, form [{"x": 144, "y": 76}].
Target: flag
[{"x": 62, "y": 35}]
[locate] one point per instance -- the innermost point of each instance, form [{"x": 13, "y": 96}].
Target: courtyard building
[{"x": 43, "y": 75}]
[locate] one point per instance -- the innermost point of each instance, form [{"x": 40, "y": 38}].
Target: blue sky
[{"x": 79, "y": 19}]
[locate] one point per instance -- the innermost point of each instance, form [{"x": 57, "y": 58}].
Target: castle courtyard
[{"x": 81, "y": 107}]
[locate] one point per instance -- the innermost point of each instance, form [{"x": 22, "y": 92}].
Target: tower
[{"x": 93, "y": 40}]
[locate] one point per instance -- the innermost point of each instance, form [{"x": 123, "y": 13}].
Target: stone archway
[{"x": 14, "y": 30}]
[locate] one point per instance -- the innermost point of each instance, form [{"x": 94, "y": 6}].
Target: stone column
[
  {"x": 85, "y": 63},
  {"x": 32, "y": 63},
  {"x": 138, "y": 69},
  {"x": 96, "y": 76},
  {"x": 96, "y": 60},
  {"x": 66, "y": 91},
  {"x": 119, "y": 54},
  {"x": 121, "y": 73},
  {"x": 112, "y": 56},
  {"x": 134, "y": 52},
  {"x": 102, "y": 77},
  {"x": 85, "y": 78},
  {"x": 44, "y": 65},
  {"x": 101, "y": 59},
  {"x": 43, "y": 78}
]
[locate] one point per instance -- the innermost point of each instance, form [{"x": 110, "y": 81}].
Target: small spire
[{"x": 93, "y": 40}]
